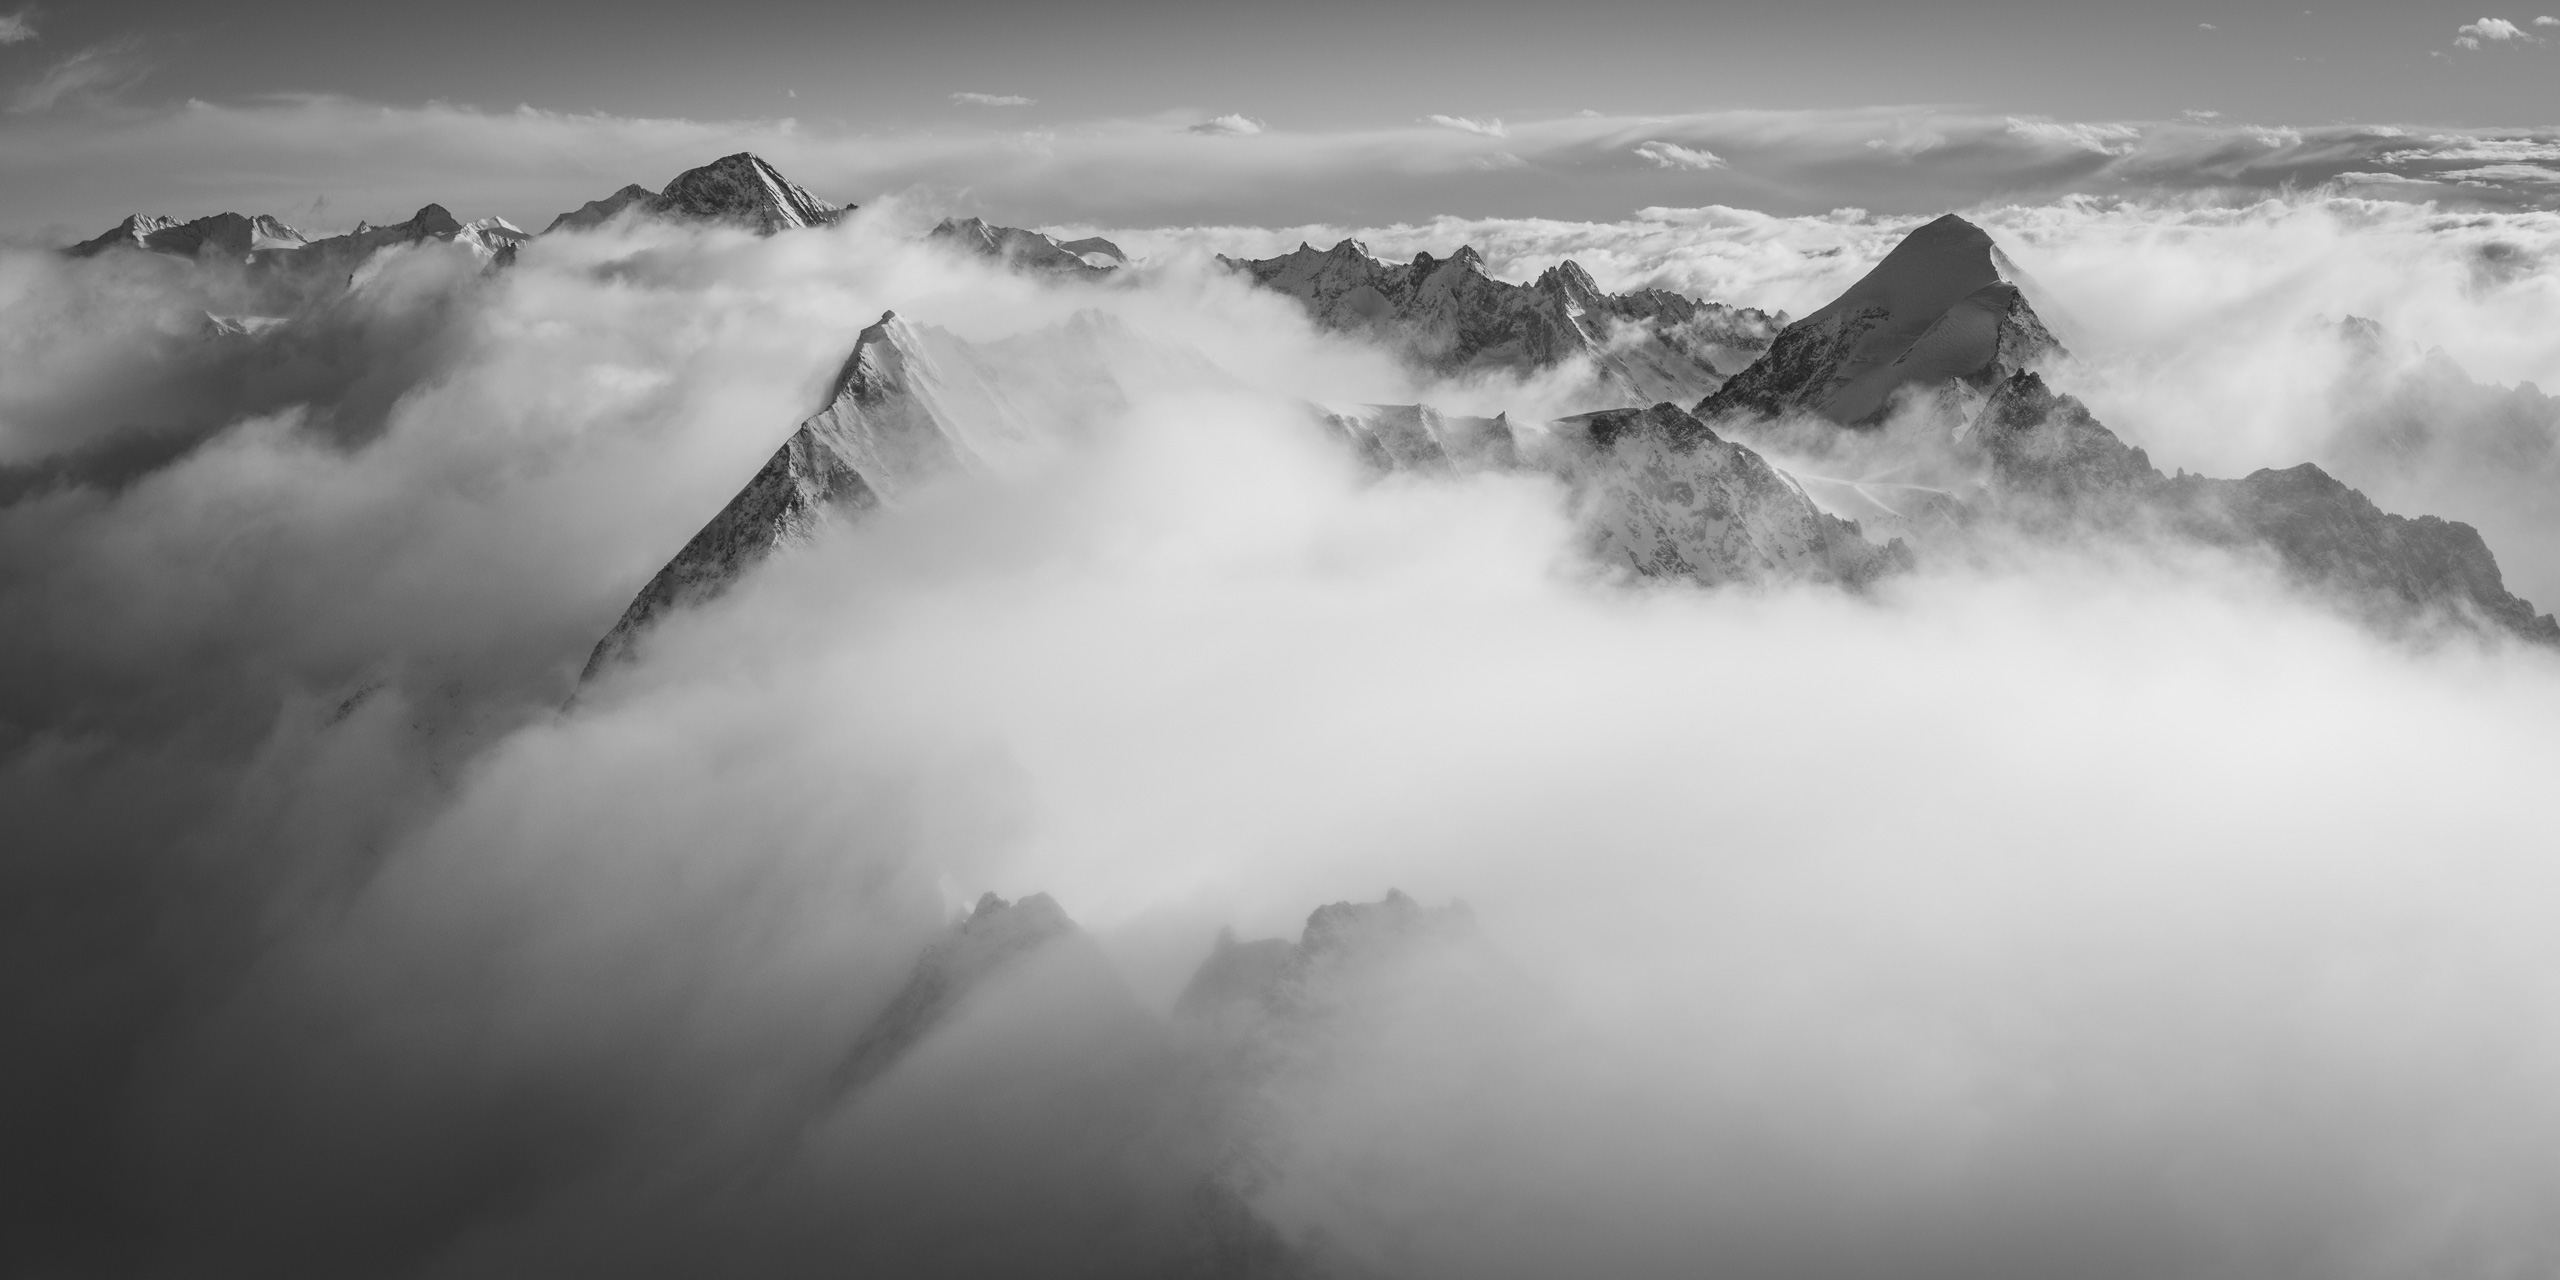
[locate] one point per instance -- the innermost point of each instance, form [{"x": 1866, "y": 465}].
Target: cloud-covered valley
[{"x": 2119, "y": 908}]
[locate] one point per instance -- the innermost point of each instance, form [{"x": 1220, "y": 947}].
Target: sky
[{"x": 1043, "y": 113}]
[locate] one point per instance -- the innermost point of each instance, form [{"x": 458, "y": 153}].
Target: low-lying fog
[{"x": 2115, "y": 914}]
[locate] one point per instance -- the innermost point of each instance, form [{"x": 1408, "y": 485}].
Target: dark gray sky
[
  {"x": 1333, "y": 63},
  {"x": 115, "y": 105}
]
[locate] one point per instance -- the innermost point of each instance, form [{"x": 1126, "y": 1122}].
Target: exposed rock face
[
  {"x": 1944, "y": 309},
  {"x": 785, "y": 502},
  {"x": 225, "y": 235},
  {"x": 1013, "y": 246},
  {"x": 2052, "y": 462},
  {"x": 1668, "y": 497},
  {"x": 883, "y": 429},
  {"x": 995, "y": 936},
  {"x": 744, "y": 190},
  {"x": 908, "y": 406},
  {"x": 740, "y": 190},
  {"x": 1448, "y": 316},
  {"x": 596, "y": 213}
]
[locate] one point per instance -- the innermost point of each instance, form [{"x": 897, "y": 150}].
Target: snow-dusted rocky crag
[
  {"x": 2053, "y": 463},
  {"x": 1945, "y": 316},
  {"x": 1034, "y": 250},
  {"x": 1449, "y": 317},
  {"x": 1664, "y": 495}
]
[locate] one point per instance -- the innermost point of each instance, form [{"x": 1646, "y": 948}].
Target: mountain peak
[
  {"x": 1944, "y": 307},
  {"x": 743, "y": 189}
]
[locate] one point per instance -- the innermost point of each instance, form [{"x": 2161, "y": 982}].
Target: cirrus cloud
[
  {"x": 1233, "y": 126},
  {"x": 992, "y": 100},
  {"x": 1671, "y": 155},
  {"x": 1490, "y": 128}
]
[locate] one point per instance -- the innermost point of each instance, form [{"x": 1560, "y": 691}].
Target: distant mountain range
[{"x": 1668, "y": 465}]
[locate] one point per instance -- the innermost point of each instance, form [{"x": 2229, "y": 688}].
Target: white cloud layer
[
  {"x": 19, "y": 27},
  {"x": 992, "y": 99}
]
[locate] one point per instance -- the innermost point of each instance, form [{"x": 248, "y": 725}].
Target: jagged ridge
[{"x": 1449, "y": 317}]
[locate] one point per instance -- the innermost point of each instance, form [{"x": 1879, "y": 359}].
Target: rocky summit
[
  {"x": 1945, "y": 309},
  {"x": 1447, "y": 316},
  {"x": 740, "y": 190}
]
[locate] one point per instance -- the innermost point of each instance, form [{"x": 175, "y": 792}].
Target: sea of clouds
[{"x": 2120, "y": 912}]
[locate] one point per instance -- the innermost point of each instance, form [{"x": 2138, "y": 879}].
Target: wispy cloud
[
  {"x": 992, "y": 100},
  {"x": 1671, "y": 155},
  {"x": 2546, "y": 20},
  {"x": 2471, "y": 35},
  {"x": 1233, "y": 126},
  {"x": 1489, "y": 128},
  {"x": 93, "y": 73},
  {"x": 2103, "y": 139},
  {"x": 19, "y": 27}
]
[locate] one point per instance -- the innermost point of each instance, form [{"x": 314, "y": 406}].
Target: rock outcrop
[
  {"x": 1944, "y": 310},
  {"x": 2054, "y": 464},
  {"x": 1664, "y": 495},
  {"x": 1447, "y": 316}
]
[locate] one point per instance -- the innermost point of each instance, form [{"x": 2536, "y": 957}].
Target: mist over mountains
[{"x": 747, "y": 733}]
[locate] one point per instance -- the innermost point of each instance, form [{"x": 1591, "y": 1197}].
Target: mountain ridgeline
[
  {"x": 1450, "y": 317},
  {"x": 1913, "y": 413}
]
